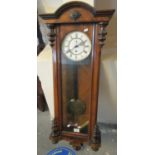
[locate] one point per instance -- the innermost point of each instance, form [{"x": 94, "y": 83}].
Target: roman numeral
[{"x": 76, "y": 35}]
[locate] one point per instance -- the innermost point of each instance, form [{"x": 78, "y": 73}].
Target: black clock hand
[
  {"x": 81, "y": 43},
  {"x": 71, "y": 49}
]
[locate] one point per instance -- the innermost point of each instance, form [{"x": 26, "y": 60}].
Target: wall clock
[{"x": 77, "y": 34}]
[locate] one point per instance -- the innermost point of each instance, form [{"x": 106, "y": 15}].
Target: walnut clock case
[{"x": 77, "y": 35}]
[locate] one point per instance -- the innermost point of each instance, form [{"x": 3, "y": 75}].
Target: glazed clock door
[{"x": 76, "y": 73}]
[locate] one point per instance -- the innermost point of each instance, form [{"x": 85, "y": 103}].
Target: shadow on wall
[
  {"x": 105, "y": 4},
  {"x": 107, "y": 109},
  {"x": 111, "y": 39}
]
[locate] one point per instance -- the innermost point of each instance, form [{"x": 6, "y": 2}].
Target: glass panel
[{"x": 76, "y": 90}]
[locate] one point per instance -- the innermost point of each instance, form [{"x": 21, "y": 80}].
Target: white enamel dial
[{"x": 76, "y": 46}]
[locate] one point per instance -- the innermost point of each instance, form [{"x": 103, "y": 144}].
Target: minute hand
[{"x": 81, "y": 43}]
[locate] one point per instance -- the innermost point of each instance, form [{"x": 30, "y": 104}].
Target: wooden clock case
[{"x": 71, "y": 17}]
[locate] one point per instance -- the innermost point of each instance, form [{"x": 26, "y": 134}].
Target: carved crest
[{"x": 75, "y": 15}]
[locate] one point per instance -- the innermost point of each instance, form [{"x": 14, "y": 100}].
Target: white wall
[
  {"x": 48, "y": 6},
  {"x": 107, "y": 91}
]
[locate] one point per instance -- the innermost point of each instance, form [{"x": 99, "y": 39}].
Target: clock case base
[{"x": 77, "y": 143}]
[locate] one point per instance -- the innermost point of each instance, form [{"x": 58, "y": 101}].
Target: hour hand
[
  {"x": 81, "y": 43},
  {"x": 68, "y": 51}
]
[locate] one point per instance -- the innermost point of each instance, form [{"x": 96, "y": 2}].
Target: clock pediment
[{"x": 75, "y": 12}]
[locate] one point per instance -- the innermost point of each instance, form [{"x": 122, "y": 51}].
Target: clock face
[{"x": 76, "y": 46}]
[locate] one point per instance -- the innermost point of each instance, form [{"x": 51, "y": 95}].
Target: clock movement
[{"x": 77, "y": 35}]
